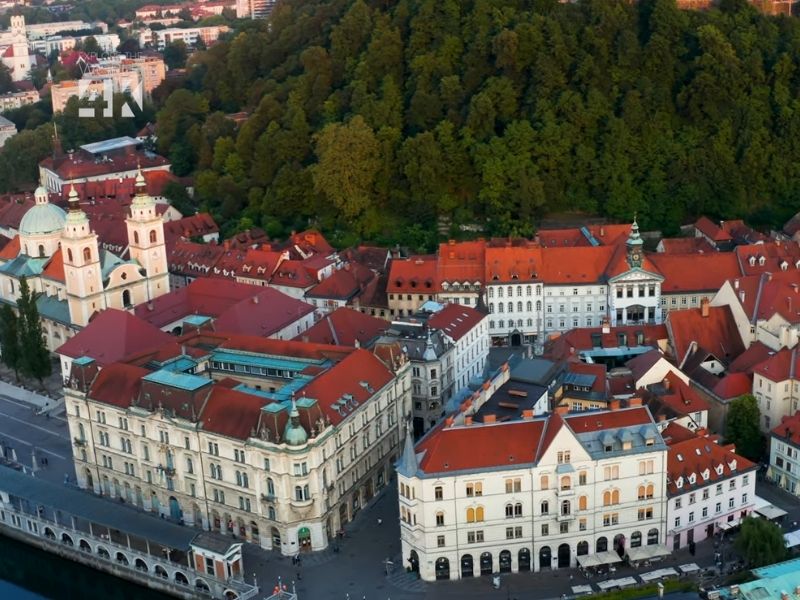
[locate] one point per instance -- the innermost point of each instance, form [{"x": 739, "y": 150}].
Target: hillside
[{"x": 376, "y": 119}]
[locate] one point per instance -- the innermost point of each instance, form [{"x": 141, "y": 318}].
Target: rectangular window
[
  {"x": 545, "y": 529},
  {"x": 509, "y": 533},
  {"x": 440, "y": 541},
  {"x": 438, "y": 494}
]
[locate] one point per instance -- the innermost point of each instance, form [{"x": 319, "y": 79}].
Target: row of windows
[
  {"x": 717, "y": 510},
  {"x": 509, "y": 291}
]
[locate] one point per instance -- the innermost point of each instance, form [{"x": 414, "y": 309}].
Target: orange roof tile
[
  {"x": 416, "y": 274},
  {"x": 11, "y": 250},
  {"x": 461, "y": 262},
  {"x": 695, "y": 272},
  {"x": 514, "y": 263},
  {"x": 55, "y": 267},
  {"x": 456, "y": 320},
  {"x": 711, "y": 230},
  {"x": 789, "y": 429},
  {"x": 717, "y": 333},
  {"x": 345, "y": 327},
  {"x": 692, "y": 245}
]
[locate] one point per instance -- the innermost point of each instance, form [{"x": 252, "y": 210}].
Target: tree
[
  {"x": 761, "y": 542},
  {"x": 9, "y": 338},
  {"x": 175, "y": 54},
  {"x": 6, "y": 82},
  {"x": 90, "y": 46},
  {"x": 742, "y": 427},
  {"x": 35, "y": 359}
]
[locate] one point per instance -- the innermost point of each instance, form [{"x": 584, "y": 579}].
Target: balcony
[
  {"x": 301, "y": 503},
  {"x": 565, "y": 492},
  {"x": 80, "y": 442},
  {"x": 268, "y": 497}
]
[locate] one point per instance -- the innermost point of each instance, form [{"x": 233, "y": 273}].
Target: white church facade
[{"x": 59, "y": 256}]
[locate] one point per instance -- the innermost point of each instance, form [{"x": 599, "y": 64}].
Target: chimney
[
  {"x": 613, "y": 405},
  {"x": 704, "y": 308},
  {"x": 562, "y": 409},
  {"x": 665, "y": 383},
  {"x": 468, "y": 421},
  {"x": 635, "y": 401},
  {"x": 490, "y": 419},
  {"x": 701, "y": 432},
  {"x": 527, "y": 413},
  {"x": 255, "y": 299},
  {"x": 741, "y": 296},
  {"x": 662, "y": 418},
  {"x": 606, "y": 325},
  {"x": 736, "y": 284},
  {"x": 451, "y": 242}
]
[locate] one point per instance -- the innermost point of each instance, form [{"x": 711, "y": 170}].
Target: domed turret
[
  {"x": 294, "y": 435},
  {"x": 42, "y": 218}
]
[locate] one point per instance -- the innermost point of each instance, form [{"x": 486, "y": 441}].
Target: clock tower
[{"x": 634, "y": 245}]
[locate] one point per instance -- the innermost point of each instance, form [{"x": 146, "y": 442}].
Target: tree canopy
[
  {"x": 370, "y": 117},
  {"x": 742, "y": 427},
  {"x": 761, "y": 542}
]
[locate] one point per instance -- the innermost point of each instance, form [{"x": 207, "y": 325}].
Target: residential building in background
[
  {"x": 784, "y": 454},
  {"x": 161, "y": 38},
  {"x": 277, "y": 443},
  {"x": 7, "y": 130},
  {"x": 12, "y": 100}
]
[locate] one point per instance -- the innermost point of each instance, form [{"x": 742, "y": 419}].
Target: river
[{"x": 27, "y": 573}]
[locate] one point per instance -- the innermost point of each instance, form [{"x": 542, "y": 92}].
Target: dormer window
[
  {"x": 679, "y": 482},
  {"x": 784, "y": 265},
  {"x": 732, "y": 465},
  {"x": 706, "y": 475},
  {"x": 692, "y": 479},
  {"x": 752, "y": 261},
  {"x": 719, "y": 469},
  {"x": 761, "y": 260}
]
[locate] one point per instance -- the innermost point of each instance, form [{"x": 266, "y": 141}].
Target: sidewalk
[{"x": 42, "y": 403}]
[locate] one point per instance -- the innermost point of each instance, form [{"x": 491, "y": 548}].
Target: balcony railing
[
  {"x": 565, "y": 491},
  {"x": 80, "y": 442}
]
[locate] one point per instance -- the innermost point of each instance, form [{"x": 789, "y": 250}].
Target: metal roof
[
  {"x": 97, "y": 510},
  {"x": 182, "y": 381},
  {"x": 110, "y": 145}
]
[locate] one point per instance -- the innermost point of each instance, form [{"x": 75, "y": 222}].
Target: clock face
[{"x": 636, "y": 256}]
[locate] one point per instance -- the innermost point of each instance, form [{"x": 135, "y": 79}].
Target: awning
[
  {"x": 726, "y": 525},
  {"x": 792, "y": 539},
  {"x": 771, "y": 512},
  {"x": 582, "y": 590},
  {"x": 689, "y": 568},
  {"x": 600, "y": 558},
  {"x": 647, "y": 552}
]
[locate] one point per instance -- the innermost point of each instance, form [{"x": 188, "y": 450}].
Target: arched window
[
  {"x": 583, "y": 503},
  {"x": 509, "y": 511},
  {"x": 298, "y": 492},
  {"x": 152, "y": 236},
  {"x": 518, "y": 509},
  {"x": 69, "y": 254},
  {"x": 519, "y": 307},
  {"x": 649, "y": 491},
  {"x": 510, "y": 307},
  {"x": 41, "y": 250},
  {"x": 470, "y": 515},
  {"x": 566, "y": 483},
  {"x": 538, "y": 305},
  {"x": 615, "y": 497},
  {"x": 606, "y": 498},
  {"x": 270, "y": 487},
  {"x": 479, "y": 514},
  {"x": 500, "y": 307},
  {"x": 135, "y": 237},
  {"x": 640, "y": 492},
  {"x": 545, "y": 507},
  {"x": 271, "y": 513},
  {"x": 87, "y": 254},
  {"x": 566, "y": 509},
  {"x": 545, "y": 482},
  {"x": 529, "y": 306},
  {"x": 491, "y": 292},
  {"x": 652, "y": 537},
  {"x": 519, "y": 290}
]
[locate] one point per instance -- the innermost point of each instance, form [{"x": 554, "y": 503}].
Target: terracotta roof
[
  {"x": 112, "y": 335},
  {"x": 451, "y": 449},
  {"x": 596, "y": 370},
  {"x": 674, "y": 432},
  {"x": 231, "y": 413},
  {"x": 567, "y": 345},
  {"x": 578, "y": 265},
  {"x": 120, "y": 188},
  {"x": 414, "y": 275},
  {"x": 742, "y": 233},
  {"x": 733, "y": 385},
  {"x": 13, "y": 208},
  {"x": 596, "y": 421},
  {"x": 695, "y": 272},
  {"x": 717, "y": 333},
  {"x": 680, "y": 398},
  {"x": 697, "y": 454},
  {"x": 204, "y": 296},
  {"x": 642, "y": 363},
  {"x": 82, "y": 164},
  {"x": 603, "y": 235},
  {"x": 192, "y": 226},
  {"x": 55, "y": 267},
  {"x": 310, "y": 241},
  {"x": 344, "y": 284},
  {"x": 513, "y": 263},
  {"x": 294, "y": 274},
  {"x": 619, "y": 263},
  {"x": 692, "y": 245},
  {"x": 372, "y": 257},
  {"x": 762, "y": 296},
  {"x": 456, "y": 320},
  {"x": 356, "y": 379},
  {"x": 773, "y": 257},
  {"x": 252, "y": 343},
  {"x": 11, "y": 250},
  {"x": 757, "y": 353},
  {"x": 780, "y": 366},
  {"x": 711, "y": 230},
  {"x": 265, "y": 313},
  {"x": 118, "y": 384},
  {"x": 345, "y": 327},
  {"x": 552, "y": 426},
  {"x": 789, "y": 429},
  {"x": 461, "y": 262},
  {"x": 192, "y": 258}
]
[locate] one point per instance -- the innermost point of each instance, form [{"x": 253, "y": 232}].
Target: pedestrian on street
[
  {"x": 380, "y": 520},
  {"x": 298, "y": 576}
]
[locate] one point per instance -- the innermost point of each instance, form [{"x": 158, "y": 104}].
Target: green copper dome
[{"x": 43, "y": 217}]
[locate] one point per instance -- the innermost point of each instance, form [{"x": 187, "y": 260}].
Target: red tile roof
[
  {"x": 461, "y": 262},
  {"x": 120, "y": 188},
  {"x": 757, "y": 353},
  {"x": 204, "y": 296},
  {"x": 578, "y": 265},
  {"x": 231, "y": 413},
  {"x": 695, "y": 272},
  {"x": 789, "y": 429},
  {"x": 55, "y": 267},
  {"x": 780, "y": 366},
  {"x": 711, "y": 230},
  {"x": 696, "y": 455},
  {"x": 13, "y": 208},
  {"x": 679, "y": 397},
  {"x": 295, "y": 274},
  {"x": 192, "y": 226},
  {"x": 344, "y": 284},
  {"x": 266, "y": 313},
  {"x": 82, "y": 164},
  {"x": 596, "y": 370},
  {"x": 192, "y": 258},
  {"x": 717, "y": 333},
  {"x": 118, "y": 384},
  {"x": 11, "y": 250},
  {"x": 345, "y": 327},
  {"x": 641, "y": 364},
  {"x": 605, "y": 235},
  {"x": 112, "y": 335},
  {"x": 513, "y": 263},
  {"x": 360, "y": 374},
  {"x": 567, "y": 345},
  {"x": 772, "y": 257},
  {"x": 674, "y": 432},
  {"x": 414, "y": 275},
  {"x": 450, "y": 449},
  {"x": 733, "y": 385},
  {"x": 762, "y": 296},
  {"x": 456, "y": 320},
  {"x": 596, "y": 421},
  {"x": 692, "y": 245}
]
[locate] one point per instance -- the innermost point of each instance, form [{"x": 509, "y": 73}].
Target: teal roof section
[
  {"x": 282, "y": 395},
  {"x": 263, "y": 361},
  {"x": 182, "y": 381},
  {"x": 110, "y": 261},
  {"x": 306, "y": 402},
  {"x": 773, "y": 581},
  {"x": 42, "y": 219},
  {"x": 50, "y": 307},
  {"x": 83, "y": 361},
  {"x": 24, "y": 266},
  {"x": 275, "y": 407},
  {"x": 196, "y": 320},
  {"x": 179, "y": 364}
]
